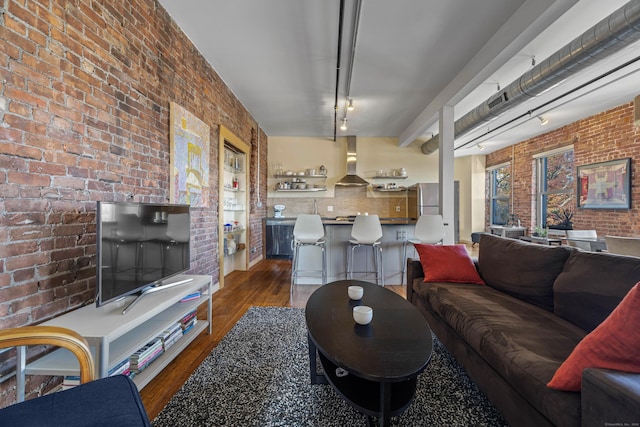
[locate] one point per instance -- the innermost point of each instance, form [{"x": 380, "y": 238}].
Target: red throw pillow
[
  {"x": 447, "y": 263},
  {"x": 614, "y": 344}
]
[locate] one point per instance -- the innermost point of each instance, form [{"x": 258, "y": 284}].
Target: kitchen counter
[
  {"x": 279, "y": 235},
  {"x": 342, "y": 220}
]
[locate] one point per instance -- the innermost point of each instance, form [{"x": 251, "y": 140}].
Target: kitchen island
[{"x": 279, "y": 232}]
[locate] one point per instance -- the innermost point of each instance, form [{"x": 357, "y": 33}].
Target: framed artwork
[
  {"x": 189, "y": 145},
  {"x": 605, "y": 185}
]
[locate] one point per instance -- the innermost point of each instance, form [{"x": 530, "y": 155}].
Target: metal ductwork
[
  {"x": 351, "y": 179},
  {"x": 610, "y": 35}
]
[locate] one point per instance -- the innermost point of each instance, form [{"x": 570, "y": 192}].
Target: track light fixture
[
  {"x": 543, "y": 121},
  {"x": 350, "y": 106},
  {"x": 343, "y": 126},
  {"x": 480, "y": 146}
]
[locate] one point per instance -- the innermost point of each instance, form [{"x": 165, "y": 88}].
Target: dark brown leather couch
[{"x": 513, "y": 334}]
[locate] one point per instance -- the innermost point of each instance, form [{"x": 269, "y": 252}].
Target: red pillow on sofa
[
  {"x": 447, "y": 263},
  {"x": 614, "y": 344}
]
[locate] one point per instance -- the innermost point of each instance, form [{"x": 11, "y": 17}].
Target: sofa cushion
[
  {"x": 591, "y": 285},
  {"x": 447, "y": 263},
  {"x": 514, "y": 338},
  {"x": 523, "y": 270},
  {"x": 614, "y": 344}
]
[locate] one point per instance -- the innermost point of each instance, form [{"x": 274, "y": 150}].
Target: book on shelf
[
  {"x": 70, "y": 381},
  {"x": 138, "y": 367},
  {"x": 120, "y": 368},
  {"x": 188, "y": 326},
  {"x": 191, "y": 297},
  {"x": 188, "y": 317}
]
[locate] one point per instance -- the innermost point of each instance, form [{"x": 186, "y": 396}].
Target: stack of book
[
  {"x": 147, "y": 354},
  {"x": 122, "y": 368},
  {"x": 70, "y": 381},
  {"x": 170, "y": 335},
  {"x": 188, "y": 321}
]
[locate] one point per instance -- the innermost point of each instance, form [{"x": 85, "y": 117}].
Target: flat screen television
[{"x": 140, "y": 247}]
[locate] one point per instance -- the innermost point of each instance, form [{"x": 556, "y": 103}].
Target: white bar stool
[
  {"x": 308, "y": 231},
  {"x": 429, "y": 230},
  {"x": 366, "y": 231}
]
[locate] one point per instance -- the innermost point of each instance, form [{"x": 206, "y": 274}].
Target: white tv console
[{"x": 113, "y": 336}]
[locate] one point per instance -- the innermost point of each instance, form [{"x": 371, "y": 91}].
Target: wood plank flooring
[{"x": 266, "y": 284}]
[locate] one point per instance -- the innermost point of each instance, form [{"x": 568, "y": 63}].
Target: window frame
[
  {"x": 493, "y": 196},
  {"x": 542, "y": 194}
]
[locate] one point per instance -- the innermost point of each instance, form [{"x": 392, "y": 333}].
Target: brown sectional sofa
[{"x": 513, "y": 334}]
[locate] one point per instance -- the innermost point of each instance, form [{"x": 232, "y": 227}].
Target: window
[
  {"x": 500, "y": 190},
  {"x": 555, "y": 197}
]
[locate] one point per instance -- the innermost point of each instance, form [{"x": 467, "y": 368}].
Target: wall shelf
[
  {"x": 390, "y": 190},
  {"x": 390, "y": 177},
  {"x": 299, "y": 176},
  {"x": 300, "y": 190}
]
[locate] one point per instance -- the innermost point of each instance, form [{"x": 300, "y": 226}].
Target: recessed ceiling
[{"x": 411, "y": 58}]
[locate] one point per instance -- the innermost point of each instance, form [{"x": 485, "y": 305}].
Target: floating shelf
[
  {"x": 390, "y": 190},
  {"x": 295, "y": 175},
  {"x": 301, "y": 190},
  {"x": 390, "y": 177}
]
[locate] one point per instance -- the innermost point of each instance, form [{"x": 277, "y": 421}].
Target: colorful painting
[
  {"x": 605, "y": 185},
  {"x": 190, "y": 140}
]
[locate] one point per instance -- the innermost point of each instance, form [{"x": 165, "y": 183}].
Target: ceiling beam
[{"x": 525, "y": 25}]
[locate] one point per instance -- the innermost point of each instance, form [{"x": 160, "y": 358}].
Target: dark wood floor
[{"x": 266, "y": 284}]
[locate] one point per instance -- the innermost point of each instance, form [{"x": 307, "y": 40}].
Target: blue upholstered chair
[{"x": 112, "y": 401}]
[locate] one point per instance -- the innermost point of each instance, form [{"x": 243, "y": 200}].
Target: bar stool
[
  {"x": 366, "y": 231},
  {"x": 308, "y": 231},
  {"x": 429, "y": 230},
  {"x": 177, "y": 235}
]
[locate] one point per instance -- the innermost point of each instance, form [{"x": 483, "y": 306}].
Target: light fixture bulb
[
  {"x": 480, "y": 146},
  {"x": 343, "y": 126},
  {"x": 350, "y": 106},
  {"x": 543, "y": 121}
]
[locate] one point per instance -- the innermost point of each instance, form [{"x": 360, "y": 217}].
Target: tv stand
[
  {"x": 113, "y": 337},
  {"x": 158, "y": 286}
]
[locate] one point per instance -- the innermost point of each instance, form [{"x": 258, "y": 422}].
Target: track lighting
[
  {"x": 343, "y": 126},
  {"x": 480, "y": 146},
  {"x": 543, "y": 121},
  {"x": 350, "y": 106}
]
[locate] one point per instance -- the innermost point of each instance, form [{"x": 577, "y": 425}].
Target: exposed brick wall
[
  {"x": 609, "y": 135},
  {"x": 84, "y": 116}
]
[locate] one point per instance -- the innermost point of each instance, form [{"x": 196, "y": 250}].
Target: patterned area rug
[{"x": 259, "y": 376}]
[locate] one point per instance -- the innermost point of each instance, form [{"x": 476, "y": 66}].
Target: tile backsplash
[{"x": 347, "y": 201}]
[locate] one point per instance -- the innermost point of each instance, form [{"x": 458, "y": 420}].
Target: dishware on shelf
[
  {"x": 362, "y": 314},
  {"x": 355, "y": 292}
]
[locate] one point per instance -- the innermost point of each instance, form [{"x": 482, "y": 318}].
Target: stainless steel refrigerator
[{"x": 424, "y": 199}]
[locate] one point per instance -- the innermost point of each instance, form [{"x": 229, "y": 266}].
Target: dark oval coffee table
[{"x": 373, "y": 367}]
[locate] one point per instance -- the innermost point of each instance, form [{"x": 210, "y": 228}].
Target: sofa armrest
[
  {"x": 610, "y": 398},
  {"x": 414, "y": 271}
]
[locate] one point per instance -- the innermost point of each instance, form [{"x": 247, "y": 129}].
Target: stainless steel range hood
[{"x": 351, "y": 179}]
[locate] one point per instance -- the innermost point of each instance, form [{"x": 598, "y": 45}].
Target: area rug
[{"x": 258, "y": 375}]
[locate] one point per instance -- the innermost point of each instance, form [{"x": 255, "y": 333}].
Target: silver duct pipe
[{"x": 607, "y": 37}]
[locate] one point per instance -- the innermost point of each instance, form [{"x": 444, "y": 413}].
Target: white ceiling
[{"x": 411, "y": 58}]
